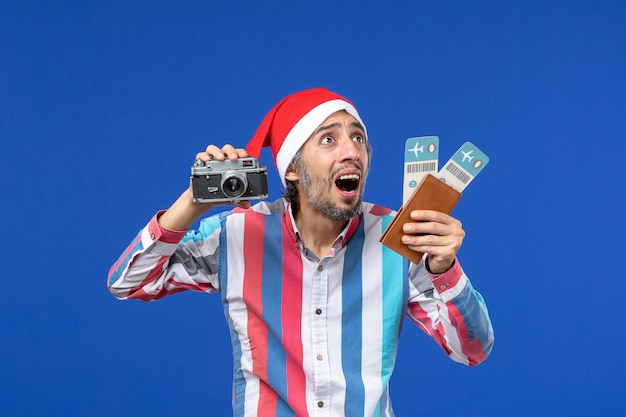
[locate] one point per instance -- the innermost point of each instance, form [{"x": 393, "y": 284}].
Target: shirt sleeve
[
  {"x": 452, "y": 312},
  {"x": 160, "y": 262}
]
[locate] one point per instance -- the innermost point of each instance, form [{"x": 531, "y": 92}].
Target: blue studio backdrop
[{"x": 103, "y": 106}]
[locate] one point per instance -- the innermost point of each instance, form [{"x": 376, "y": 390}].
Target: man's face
[{"x": 334, "y": 166}]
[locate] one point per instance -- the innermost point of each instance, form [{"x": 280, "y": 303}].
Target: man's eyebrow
[
  {"x": 324, "y": 128},
  {"x": 331, "y": 126},
  {"x": 357, "y": 125}
]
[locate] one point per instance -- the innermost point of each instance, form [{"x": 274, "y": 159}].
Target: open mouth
[{"x": 348, "y": 183}]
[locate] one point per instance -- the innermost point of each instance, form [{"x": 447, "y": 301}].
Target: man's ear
[{"x": 290, "y": 174}]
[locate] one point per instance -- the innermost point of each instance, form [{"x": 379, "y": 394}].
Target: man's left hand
[{"x": 437, "y": 234}]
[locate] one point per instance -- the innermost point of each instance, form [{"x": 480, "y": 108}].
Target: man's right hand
[
  {"x": 184, "y": 212},
  {"x": 220, "y": 154}
]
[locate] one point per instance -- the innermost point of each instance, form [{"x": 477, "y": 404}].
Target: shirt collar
[{"x": 342, "y": 239}]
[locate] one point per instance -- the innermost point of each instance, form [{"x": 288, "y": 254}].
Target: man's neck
[{"x": 317, "y": 230}]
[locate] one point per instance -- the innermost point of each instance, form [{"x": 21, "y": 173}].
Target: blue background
[{"x": 103, "y": 106}]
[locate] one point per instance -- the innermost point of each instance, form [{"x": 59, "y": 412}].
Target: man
[{"x": 314, "y": 302}]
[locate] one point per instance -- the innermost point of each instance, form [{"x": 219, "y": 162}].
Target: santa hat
[{"x": 293, "y": 120}]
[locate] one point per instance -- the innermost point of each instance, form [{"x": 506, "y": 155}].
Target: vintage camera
[{"x": 228, "y": 180}]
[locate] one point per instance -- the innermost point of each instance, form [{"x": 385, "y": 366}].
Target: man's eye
[
  {"x": 326, "y": 139},
  {"x": 359, "y": 139}
]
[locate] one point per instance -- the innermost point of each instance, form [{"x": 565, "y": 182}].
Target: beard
[{"x": 317, "y": 192}]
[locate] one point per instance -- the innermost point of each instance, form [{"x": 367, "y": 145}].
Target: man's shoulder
[
  {"x": 262, "y": 208},
  {"x": 256, "y": 213},
  {"x": 254, "y": 218}
]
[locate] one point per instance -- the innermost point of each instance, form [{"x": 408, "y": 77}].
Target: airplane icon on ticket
[
  {"x": 417, "y": 149},
  {"x": 466, "y": 155}
]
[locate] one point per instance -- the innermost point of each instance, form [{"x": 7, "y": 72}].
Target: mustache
[{"x": 355, "y": 164}]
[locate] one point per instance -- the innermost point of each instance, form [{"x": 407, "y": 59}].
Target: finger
[
  {"x": 433, "y": 216},
  {"x": 206, "y": 156},
  {"x": 442, "y": 249},
  {"x": 211, "y": 152},
  {"x": 220, "y": 154},
  {"x": 233, "y": 153},
  {"x": 431, "y": 241},
  {"x": 229, "y": 151},
  {"x": 237, "y": 153},
  {"x": 432, "y": 228}
]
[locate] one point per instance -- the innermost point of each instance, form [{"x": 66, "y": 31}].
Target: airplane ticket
[
  {"x": 421, "y": 157},
  {"x": 463, "y": 167}
]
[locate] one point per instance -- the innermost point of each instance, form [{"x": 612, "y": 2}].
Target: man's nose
[{"x": 349, "y": 148}]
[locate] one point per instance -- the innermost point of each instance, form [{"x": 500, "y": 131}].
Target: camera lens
[{"x": 233, "y": 184}]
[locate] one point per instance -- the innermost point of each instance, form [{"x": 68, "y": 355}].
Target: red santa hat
[{"x": 293, "y": 120}]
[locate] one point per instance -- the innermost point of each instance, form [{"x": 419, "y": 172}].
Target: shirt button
[
  {"x": 318, "y": 311},
  {"x": 320, "y": 404},
  {"x": 443, "y": 286},
  {"x": 320, "y": 357},
  {"x": 320, "y": 268}
]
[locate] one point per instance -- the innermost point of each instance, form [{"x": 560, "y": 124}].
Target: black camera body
[{"x": 233, "y": 181}]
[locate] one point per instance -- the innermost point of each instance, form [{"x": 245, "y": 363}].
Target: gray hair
[{"x": 291, "y": 192}]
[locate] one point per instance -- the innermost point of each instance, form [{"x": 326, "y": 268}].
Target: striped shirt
[{"x": 310, "y": 337}]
